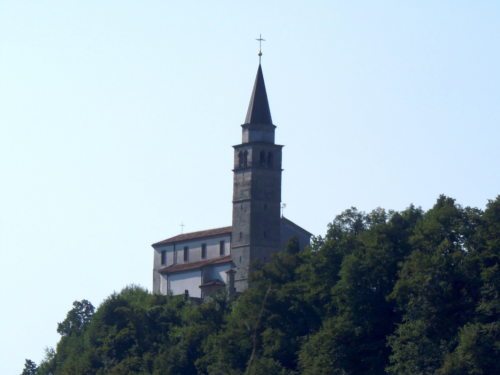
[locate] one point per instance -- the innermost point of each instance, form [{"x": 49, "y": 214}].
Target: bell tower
[{"x": 256, "y": 188}]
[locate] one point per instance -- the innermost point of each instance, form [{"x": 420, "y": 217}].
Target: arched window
[
  {"x": 270, "y": 159},
  {"x": 245, "y": 159},
  {"x": 262, "y": 158}
]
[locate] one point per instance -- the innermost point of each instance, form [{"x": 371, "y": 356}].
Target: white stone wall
[
  {"x": 170, "y": 249},
  {"x": 189, "y": 280},
  {"x": 175, "y": 255},
  {"x": 220, "y": 271},
  {"x": 163, "y": 289},
  {"x": 194, "y": 250},
  {"x": 216, "y": 272}
]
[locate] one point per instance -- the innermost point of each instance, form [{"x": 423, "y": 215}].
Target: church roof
[
  {"x": 258, "y": 109},
  {"x": 195, "y": 265},
  {"x": 212, "y": 233},
  {"x": 291, "y": 223},
  {"x": 215, "y": 282},
  {"x": 195, "y": 235}
]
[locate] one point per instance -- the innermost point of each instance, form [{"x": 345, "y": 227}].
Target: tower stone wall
[{"x": 256, "y": 189}]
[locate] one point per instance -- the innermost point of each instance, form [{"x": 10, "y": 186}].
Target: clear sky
[{"x": 117, "y": 120}]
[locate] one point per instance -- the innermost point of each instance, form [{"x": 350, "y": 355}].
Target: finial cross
[
  {"x": 182, "y": 227},
  {"x": 260, "y": 40}
]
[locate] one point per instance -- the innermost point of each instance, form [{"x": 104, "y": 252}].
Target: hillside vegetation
[{"x": 386, "y": 292}]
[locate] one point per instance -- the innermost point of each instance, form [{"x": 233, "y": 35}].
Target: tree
[
  {"x": 29, "y": 368},
  {"x": 265, "y": 326},
  {"x": 477, "y": 352},
  {"x": 48, "y": 364},
  {"x": 77, "y": 318},
  {"x": 184, "y": 347},
  {"x": 352, "y": 339},
  {"x": 438, "y": 288},
  {"x": 479, "y": 342}
]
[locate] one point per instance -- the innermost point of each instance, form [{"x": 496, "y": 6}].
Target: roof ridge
[
  {"x": 283, "y": 218},
  {"x": 178, "y": 267},
  {"x": 194, "y": 235}
]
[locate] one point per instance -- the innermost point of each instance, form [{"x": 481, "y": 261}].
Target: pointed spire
[{"x": 258, "y": 109}]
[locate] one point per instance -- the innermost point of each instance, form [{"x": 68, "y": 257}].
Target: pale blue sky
[{"x": 117, "y": 120}]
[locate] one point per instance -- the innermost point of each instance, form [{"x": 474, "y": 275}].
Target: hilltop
[{"x": 408, "y": 292}]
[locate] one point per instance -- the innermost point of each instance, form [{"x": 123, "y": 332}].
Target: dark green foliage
[
  {"x": 408, "y": 292},
  {"x": 438, "y": 288},
  {"x": 77, "y": 319},
  {"x": 48, "y": 365},
  {"x": 30, "y": 368},
  {"x": 353, "y": 337},
  {"x": 477, "y": 352}
]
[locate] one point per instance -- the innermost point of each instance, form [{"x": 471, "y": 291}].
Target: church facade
[{"x": 204, "y": 262}]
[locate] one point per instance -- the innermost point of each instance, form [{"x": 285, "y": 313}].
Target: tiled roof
[
  {"x": 194, "y": 265},
  {"x": 195, "y": 235},
  {"x": 213, "y": 283}
]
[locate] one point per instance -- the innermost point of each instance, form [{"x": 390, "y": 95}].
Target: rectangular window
[
  {"x": 186, "y": 253},
  {"x": 163, "y": 257},
  {"x": 222, "y": 248},
  {"x": 203, "y": 251}
]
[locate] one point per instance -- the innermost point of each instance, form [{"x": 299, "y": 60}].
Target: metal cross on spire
[{"x": 260, "y": 40}]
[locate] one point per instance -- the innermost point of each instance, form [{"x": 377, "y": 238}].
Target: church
[{"x": 204, "y": 262}]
